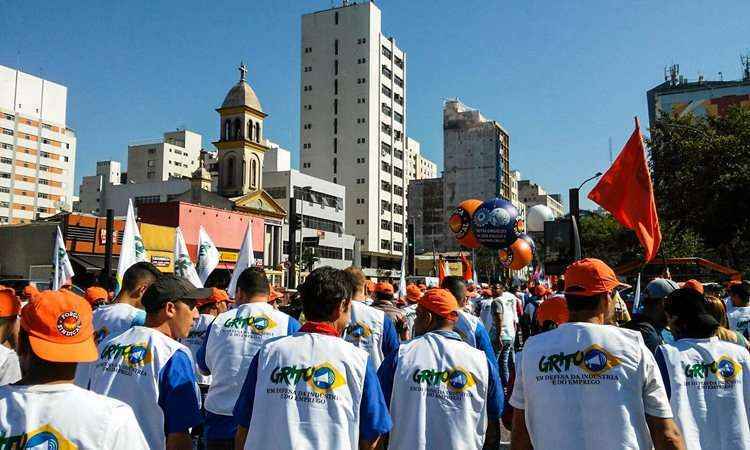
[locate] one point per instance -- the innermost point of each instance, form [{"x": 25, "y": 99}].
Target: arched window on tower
[
  {"x": 229, "y": 180},
  {"x": 257, "y": 131},
  {"x": 254, "y": 173},
  {"x": 250, "y": 130},
  {"x": 226, "y": 132},
  {"x": 237, "y": 129}
]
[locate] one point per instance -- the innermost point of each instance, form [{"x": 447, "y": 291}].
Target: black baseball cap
[{"x": 171, "y": 288}]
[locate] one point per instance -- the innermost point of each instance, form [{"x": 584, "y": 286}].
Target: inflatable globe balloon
[
  {"x": 531, "y": 243},
  {"x": 517, "y": 256},
  {"x": 495, "y": 223},
  {"x": 460, "y": 223},
  {"x": 536, "y": 216}
]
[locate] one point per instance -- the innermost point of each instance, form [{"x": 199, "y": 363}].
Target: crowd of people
[{"x": 348, "y": 363}]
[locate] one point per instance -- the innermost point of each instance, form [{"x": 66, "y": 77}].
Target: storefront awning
[{"x": 92, "y": 263}]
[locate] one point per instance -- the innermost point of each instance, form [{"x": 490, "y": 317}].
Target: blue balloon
[{"x": 496, "y": 223}]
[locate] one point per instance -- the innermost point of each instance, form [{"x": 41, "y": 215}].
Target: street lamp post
[
  {"x": 575, "y": 209},
  {"x": 306, "y": 190}
]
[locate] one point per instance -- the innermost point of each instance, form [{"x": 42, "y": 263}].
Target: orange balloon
[
  {"x": 460, "y": 223},
  {"x": 517, "y": 256}
]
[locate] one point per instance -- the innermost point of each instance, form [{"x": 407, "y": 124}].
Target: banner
[
  {"x": 61, "y": 262},
  {"x": 208, "y": 255},
  {"x": 183, "y": 266},
  {"x": 132, "y": 249},
  {"x": 244, "y": 260}
]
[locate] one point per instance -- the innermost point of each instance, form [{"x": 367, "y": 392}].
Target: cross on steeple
[{"x": 243, "y": 71}]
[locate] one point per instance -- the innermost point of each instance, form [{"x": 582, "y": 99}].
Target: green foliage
[
  {"x": 604, "y": 238},
  {"x": 701, "y": 174}
]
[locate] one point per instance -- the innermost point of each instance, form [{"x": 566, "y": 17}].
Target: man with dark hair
[
  {"x": 602, "y": 380},
  {"x": 125, "y": 312},
  {"x": 707, "y": 380},
  {"x": 369, "y": 328},
  {"x": 45, "y": 410},
  {"x": 652, "y": 321},
  {"x": 442, "y": 393},
  {"x": 147, "y": 368},
  {"x": 468, "y": 326},
  {"x": 313, "y": 389},
  {"x": 738, "y": 308},
  {"x": 228, "y": 347}
]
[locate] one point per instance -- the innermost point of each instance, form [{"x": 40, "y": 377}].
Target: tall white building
[
  {"x": 37, "y": 149},
  {"x": 177, "y": 155},
  {"x": 417, "y": 166},
  {"x": 353, "y": 120}
]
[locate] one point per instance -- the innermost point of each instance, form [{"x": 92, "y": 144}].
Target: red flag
[
  {"x": 467, "y": 269},
  {"x": 441, "y": 270},
  {"x": 626, "y": 192}
]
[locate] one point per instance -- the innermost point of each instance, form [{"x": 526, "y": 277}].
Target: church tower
[{"x": 240, "y": 146}]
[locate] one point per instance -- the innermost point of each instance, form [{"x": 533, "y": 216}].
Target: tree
[{"x": 701, "y": 173}]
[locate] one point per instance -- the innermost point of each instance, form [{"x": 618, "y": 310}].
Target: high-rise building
[
  {"x": 353, "y": 121},
  {"x": 476, "y": 156},
  {"x": 677, "y": 95},
  {"x": 177, "y": 155},
  {"x": 37, "y": 149},
  {"x": 417, "y": 166}
]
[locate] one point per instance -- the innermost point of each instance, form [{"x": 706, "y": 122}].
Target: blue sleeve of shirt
[
  {"x": 386, "y": 372},
  {"x": 243, "y": 409},
  {"x": 178, "y": 394},
  {"x": 495, "y": 397},
  {"x": 661, "y": 362},
  {"x": 484, "y": 344},
  {"x": 139, "y": 318},
  {"x": 374, "y": 419},
  {"x": 390, "y": 341},
  {"x": 293, "y": 326},
  {"x": 200, "y": 357}
]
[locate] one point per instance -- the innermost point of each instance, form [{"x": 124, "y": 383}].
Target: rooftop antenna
[{"x": 721, "y": 76}]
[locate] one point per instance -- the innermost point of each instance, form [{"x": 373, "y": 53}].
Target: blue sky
[{"x": 561, "y": 77}]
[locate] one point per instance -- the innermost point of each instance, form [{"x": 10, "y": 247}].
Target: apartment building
[{"x": 176, "y": 155}]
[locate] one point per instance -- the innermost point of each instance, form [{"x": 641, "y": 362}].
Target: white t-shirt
[
  {"x": 113, "y": 320},
  {"x": 587, "y": 386},
  {"x": 709, "y": 382},
  {"x": 195, "y": 340},
  {"x": 510, "y": 315},
  {"x": 739, "y": 318},
  {"x": 365, "y": 330},
  {"x": 410, "y": 314},
  {"x": 64, "y": 416},
  {"x": 10, "y": 369}
]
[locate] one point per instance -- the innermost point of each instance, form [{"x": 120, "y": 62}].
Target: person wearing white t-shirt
[
  {"x": 707, "y": 380},
  {"x": 442, "y": 393},
  {"x": 228, "y": 347},
  {"x": 586, "y": 385},
  {"x": 312, "y": 389},
  {"x": 10, "y": 306},
  {"x": 45, "y": 410},
  {"x": 738, "y": 308},
  {"x": 147, "y": 368}
]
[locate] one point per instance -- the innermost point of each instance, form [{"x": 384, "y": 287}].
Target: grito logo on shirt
[
  {"x": 45, "y": 437},
  {"x": 725, "y": 369},
  {"x": 595, "y": 360},
  {"x": 456, "y": 379},
  {"x": 134, "y": 355},
  {"x": 322, "y": 378},
  {"x": 259, "y": 324},
  {"x": 358, "y": 330}
]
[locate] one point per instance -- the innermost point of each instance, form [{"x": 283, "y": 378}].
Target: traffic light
[{"x": 297, "y": 222}]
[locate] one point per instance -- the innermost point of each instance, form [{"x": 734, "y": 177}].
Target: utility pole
[
  {"x": 106, "y": 273},
  {"x": 294, "y": 224}
]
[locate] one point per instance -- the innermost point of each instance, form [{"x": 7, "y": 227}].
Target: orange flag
[
  {"x": 441, "y": 270},
  {"x": 466, "y": 268},
  {"x": 626, "y": 192}
]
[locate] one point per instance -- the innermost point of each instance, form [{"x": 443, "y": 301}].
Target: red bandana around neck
[{"x": 320, "y": 328}]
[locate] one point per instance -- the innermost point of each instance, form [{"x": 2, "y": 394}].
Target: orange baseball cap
[
  {"x": 217, "y": 296},
  {"x": 384, "y": 287},
  {"x": 60, "y": 328},
  {"x": 554, "y": 309},
  {"x": 369, "y": 286},
  {"x": 590, "y": 276},
  {"x": 440, "y": 302},
  {"x": 30, "y": 291},
  {"x": 695, "y": 285},
  {"x": 95, "y": 294},
  {"x": 413, "y": 293},
  {"x": 10, "y": 305}
]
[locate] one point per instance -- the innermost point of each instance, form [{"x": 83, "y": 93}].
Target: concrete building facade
[
  {"x": 37, "y": 149},
  {"x": 531, "y": 194},
  {"x": 322, "y": 207},
  {"x": 176, "y": 155},
  {"x": 353, "y": 123},
  {"x": 476, "y": 156},
  {"x": 428, "y": 216},
  {"x": 418, "y": 167}
]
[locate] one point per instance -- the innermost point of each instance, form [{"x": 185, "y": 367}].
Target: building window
[
  {"x": 361, "y": 140},
  {"x": 307, "y": 88},
  {"x": 398, "y": 246},
  {"x": 254, "y": 173},
  {"x": 398, "y": 209},
  {"x": 361, "y": 120},
  {"x": 335, "y": 165},
  {"x": 6, "y": 161},
  {"x": 361, "y": 80},
  {"x": 328, "y": 252},
  {"x": 360, "y": 181},
  {"x": 386, "y": 91},
  {"x": 257, "y": 131},
  {"x": 397, "y": 135},
  {"x": 398, "y": 172},
  {"x": 152, "y": 163},
  {"x": 335, "y": 145},
  {"x": 335, "y": 66},
  {"x": 385, "y": 224},
  {"x": 387, "y": 72},
  {"x": 398, "y": 190},
  {"x": 361, "y": 160},
  {"x": 386, "y": 109},
  {"x": 361, "y": 100},
  {"x": 385, "y": 166},
  {"x": 336, "y": 86},
  {"x": 308, "y": 49},
  {"x": 7, "y": 131},
  {"x": 317, "y": 223},
  {"x": 336, "y": 18},
  {"x": 307, "y": 145},
  {"x": 385, "y": 128},
  {"x": 399, "y": 99},
  {"x": 360, "y": 201},
  {"x": 399, "y": 62},
  {"x": 147, "y": 199},
  {"x": 361, "y": 60},
  {"x": 335, "y": 106},
  {"x": 398, "y": 81},
  {"x": 250, "y": 129},
  {"x": 308, "y": 107},
  {"x": 307, "y": 126},
  {"x": 230, "y": 172},
  {"x": 335, "y": 125},
  {"x": 6, "y": 146},
  {"x": 385, "y": 206},
  {"x": 398, "y": 154},
  {"x": 386, "y": 186},
  {"x": 398, "y": 227},
  {"x": 307, "y": 69},
  {"x": 386, "y": 52},
  {"x": 399, "y": 117},
  {"x": 305, "y": 165},
  {"x": 335, "y": 46},
  {"x": 348, "y": 254},
  {"x": 385, "y": 244},
  {"x": 386, "y": 148}
]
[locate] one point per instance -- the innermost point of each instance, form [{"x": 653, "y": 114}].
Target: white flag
[
  {"x": 245, "y": 260},
  {"x": 637, "y": 295},
  {"x": 208, "y": 255},
  {"x": 63, "y": 268},
  {"x": 183, "y": 267},
  {"x": 132, "y": 249}
]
